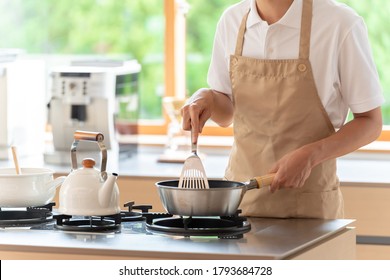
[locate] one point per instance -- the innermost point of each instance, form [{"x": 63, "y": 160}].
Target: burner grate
[
  {"x": 224, "y": 227},
  {"x": 110, "y": 223},
  {"x": 26, "y": 216}
]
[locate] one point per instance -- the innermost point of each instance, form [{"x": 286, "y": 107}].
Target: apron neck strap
[
  {"x": 240, "y": 36},
  {"x": 304, "y": 44}
]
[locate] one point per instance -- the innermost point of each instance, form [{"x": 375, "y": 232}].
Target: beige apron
[{"x": 277, "y": 110}]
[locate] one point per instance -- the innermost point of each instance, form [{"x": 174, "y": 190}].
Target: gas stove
[
  {"x": 144, "y": 234},
  {"x": 137, "y": 219}
]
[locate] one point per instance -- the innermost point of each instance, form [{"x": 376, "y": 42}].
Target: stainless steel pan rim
[{"x": 214, "y": 185}]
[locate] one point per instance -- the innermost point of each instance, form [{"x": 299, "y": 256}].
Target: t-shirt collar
[{"x": 292, "y": 18}]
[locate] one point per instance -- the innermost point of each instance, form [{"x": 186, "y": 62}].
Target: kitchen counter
[{"x": 268, "y": 239}]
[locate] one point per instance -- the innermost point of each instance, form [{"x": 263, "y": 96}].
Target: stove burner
[
  {"x": 26, "y": 216},
  {"x": 133, "y": 216},
  {"x": 110, "y": 223},
  {"x": 232, "y": 227},
  {"x": 130, "y": 215}
]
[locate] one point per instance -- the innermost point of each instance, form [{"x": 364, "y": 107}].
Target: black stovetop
[{"x": 135, "y": 220}]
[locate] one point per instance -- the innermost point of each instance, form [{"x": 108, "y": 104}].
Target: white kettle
[{"x": 88, "y": 191}]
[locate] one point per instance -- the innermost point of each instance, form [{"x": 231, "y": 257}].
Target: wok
[{"x": 221, "y": 199}]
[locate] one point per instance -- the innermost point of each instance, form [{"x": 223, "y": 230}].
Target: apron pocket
[{"x": 322, "y": 205}]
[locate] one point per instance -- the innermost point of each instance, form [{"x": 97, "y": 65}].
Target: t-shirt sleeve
[
  {"x": 218, "y": 74},
  {"x": 359, "y": 80}
]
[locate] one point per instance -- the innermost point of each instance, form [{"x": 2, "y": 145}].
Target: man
[{"x": 285, "y": 74}]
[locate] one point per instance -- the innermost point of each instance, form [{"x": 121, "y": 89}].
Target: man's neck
[{"x": 272, "y": 10}]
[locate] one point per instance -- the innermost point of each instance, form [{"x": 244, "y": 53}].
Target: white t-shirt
[{"x": 340, "y": 54}]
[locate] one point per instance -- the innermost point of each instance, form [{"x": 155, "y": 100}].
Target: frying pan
[{"x": 221, "y": 199}]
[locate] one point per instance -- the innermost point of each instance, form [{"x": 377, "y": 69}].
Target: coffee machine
[{"x": 86, "y": 96}]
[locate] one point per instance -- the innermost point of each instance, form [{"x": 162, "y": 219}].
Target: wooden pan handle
[{"x": 265, "y": 180}]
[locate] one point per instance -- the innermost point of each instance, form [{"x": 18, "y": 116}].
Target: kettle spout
[{"x": 106, "y": 191}]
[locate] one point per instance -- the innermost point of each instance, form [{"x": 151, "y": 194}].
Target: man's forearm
[
  {"x": 361, "y": 131},
  {"x": 222, "y": 112}
]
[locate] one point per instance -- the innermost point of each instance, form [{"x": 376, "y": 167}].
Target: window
[
  {"x": 137, "y": 29},
  {"x": 124, "y": 29}
]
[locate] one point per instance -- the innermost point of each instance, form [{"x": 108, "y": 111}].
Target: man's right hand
[
  {"x": 205, "y": 104},
  {"x": 197, "y": 111}
]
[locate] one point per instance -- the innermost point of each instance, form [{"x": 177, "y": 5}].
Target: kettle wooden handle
[
  {"x": 97, "y": 137},
  {"x": 265, "y": 180},
  {"x": 88, "y": 136}
]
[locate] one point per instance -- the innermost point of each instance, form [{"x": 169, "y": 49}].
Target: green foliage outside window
[{"x": 125, "y": 28}]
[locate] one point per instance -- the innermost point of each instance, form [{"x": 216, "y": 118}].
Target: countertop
[
  {"x": 268, "y": 239},
  {"x": 354, "y": 169}
]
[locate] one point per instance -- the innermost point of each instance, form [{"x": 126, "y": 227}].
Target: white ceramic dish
[{"x": 33, "y": 187}]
